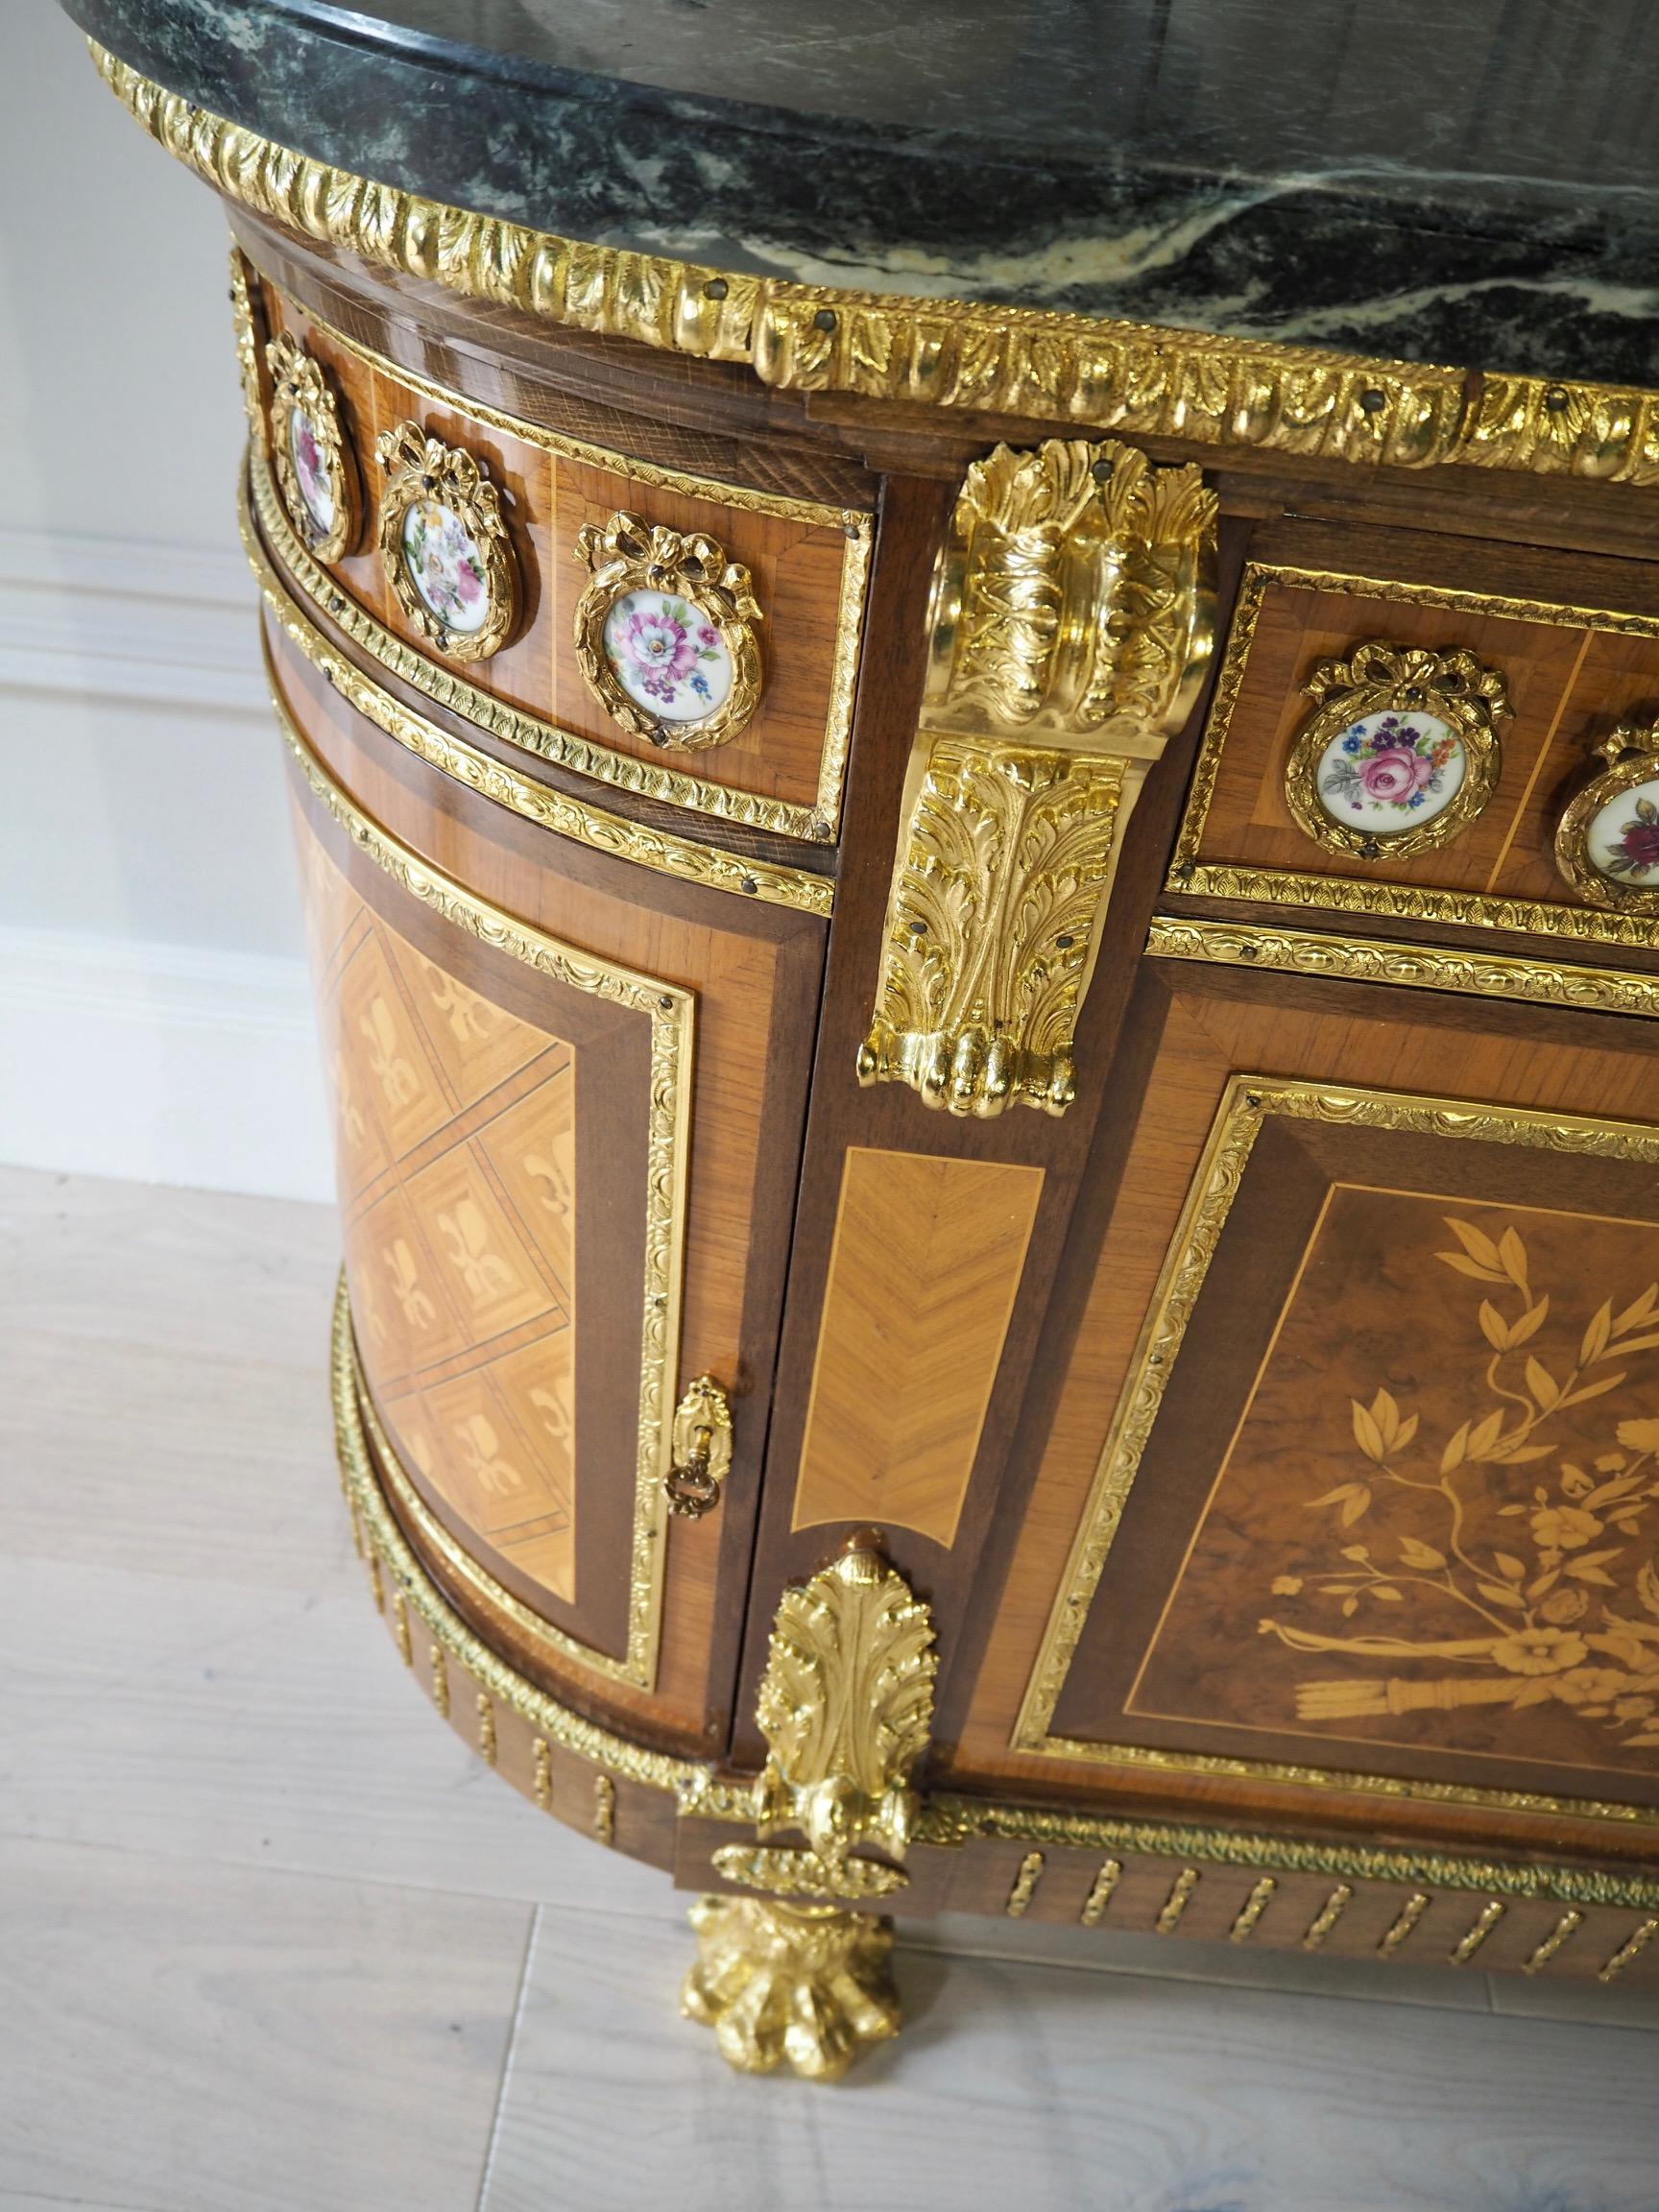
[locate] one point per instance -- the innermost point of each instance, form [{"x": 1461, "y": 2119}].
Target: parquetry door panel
[{"x": 563, "y": 1147}]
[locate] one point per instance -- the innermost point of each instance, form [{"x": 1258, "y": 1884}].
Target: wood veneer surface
[
  {"x": 755, "y": 972},
  {"x": 1201, "y": 1027},
  {"x": 924, "y": 1272},
  {"x": 548, "y": 498}
]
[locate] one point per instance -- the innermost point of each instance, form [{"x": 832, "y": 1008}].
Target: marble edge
[{"x": 1199, "y": 385}]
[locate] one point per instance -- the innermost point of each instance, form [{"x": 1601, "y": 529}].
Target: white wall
[{"x": 153, "y": 1013}]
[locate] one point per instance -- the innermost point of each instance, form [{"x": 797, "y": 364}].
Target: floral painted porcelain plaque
[
  {"x": 316, "y": 473},
  {"x": 668, "y": 659},
  {"x": 1607, "y": 846},
  {"x": 310, "y": 471},
  {"x": 446, "y": 566},
  {"x": 1401, "y": 752},
  {"x": 665, "y": 633},
  {"x": 1391, "y": 772},
  {"x": 1622, "y": 839},
  {"x": 443, "y": 545}
]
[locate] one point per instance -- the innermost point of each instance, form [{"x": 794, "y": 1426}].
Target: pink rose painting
[
  {"x": 309, "y": 469},
  {"x": 666, "y": 656},
  {"x": 1636, "y": 843},
  {"x": 446, "y": 564},
  {"x": 1387, "y": 770}
]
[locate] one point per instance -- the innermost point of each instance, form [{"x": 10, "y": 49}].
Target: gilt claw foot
[{"x": 805, "y": 1983}]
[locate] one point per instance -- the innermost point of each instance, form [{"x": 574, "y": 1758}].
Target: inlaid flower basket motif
[
  {"x": 316, "y": 470},
  {"x": 1534, "y": 1559},
  {"x": 443, "y": 542},
  {"x": 1607, "y": 845},
  {"x": 665, "y": 634},
  {"x": 1401, "y": 752}
]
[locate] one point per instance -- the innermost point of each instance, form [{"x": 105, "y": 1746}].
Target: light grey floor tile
[
  {"x": 1598, "y": 2006},
  {"x": 125, "y": 1455},
  {"x": 261, "y": 1727},
  {"x": 197, "y": 1272},
  {"x": 185, "y": 2038},
  {"x": 1019, "y": 2086},
  {"x": 10, "y": 2202},
  {"x": 310, "y": 1863}
]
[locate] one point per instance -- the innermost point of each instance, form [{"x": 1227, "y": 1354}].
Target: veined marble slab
[{"x": 1475, "y": 185}]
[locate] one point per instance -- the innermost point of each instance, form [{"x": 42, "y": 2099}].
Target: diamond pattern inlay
[{"x": 456, "y": 1124}]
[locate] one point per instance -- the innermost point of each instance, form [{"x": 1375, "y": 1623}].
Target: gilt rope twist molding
[
  {"x": 1073, "y": 618},
  {"x": 1131, "y": 376}
]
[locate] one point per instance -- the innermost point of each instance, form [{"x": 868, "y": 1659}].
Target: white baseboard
[{"x": 161, "y": 1064}]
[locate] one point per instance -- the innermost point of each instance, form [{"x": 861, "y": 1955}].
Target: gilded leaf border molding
[
  {"x": 1245, "y": 1105},
  {"x": 1132, "y": 377},
  {"x": 1072, "y": 623},
  {"x": 946, "y": 1820},
  {"x": 513, "y": 725},
  {"x": 1193, "y": 875},
  {"x": 1420, "y": 966},
  {"x": 671, "y": 1012}
]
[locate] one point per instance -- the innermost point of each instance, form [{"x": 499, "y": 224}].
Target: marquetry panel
[
  {"x": 808, "y": 561},
  {"x": 923, "y": 1270},
  {"x": 1577, "y": 644},
  {"x": 457, "y": 1121},
  {"x": 1355, "y": 1456},
  {"x": 1406, "y": 1416},
  {"x": 659, "y": 953}
]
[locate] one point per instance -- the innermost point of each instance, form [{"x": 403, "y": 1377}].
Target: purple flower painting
[
  {"x": 311, "y": 470},
  {"x": 1389, "y": 771},
  {"x": 666, "y": 656}
]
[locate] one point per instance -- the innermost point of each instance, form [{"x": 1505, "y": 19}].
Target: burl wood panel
[
  {"x": 924, "y": 1271},
  {"x": 800, "y": 571},
  {"x": 456, "y": 1150},
  {"x": 1569, "y": 685},
  {"x": 1393, "y": 1317},
  {"x": 755, "y": 971}
]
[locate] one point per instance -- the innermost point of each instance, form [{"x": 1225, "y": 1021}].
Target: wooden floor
[{"x": 270, "y": 1940}]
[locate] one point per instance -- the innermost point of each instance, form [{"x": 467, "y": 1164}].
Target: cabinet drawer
[
  {"x": 756, "y": 597},
  {"x": 1333, "y": 774}
]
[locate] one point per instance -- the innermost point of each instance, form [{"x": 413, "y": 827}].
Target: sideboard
[{"x": 988, "y": 976}]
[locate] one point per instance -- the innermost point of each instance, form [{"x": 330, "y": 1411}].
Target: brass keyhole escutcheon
[{"x": 702, "y": 1450}]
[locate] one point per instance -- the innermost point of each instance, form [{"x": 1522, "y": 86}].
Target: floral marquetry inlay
[{"x": 1509, "y": 1563}]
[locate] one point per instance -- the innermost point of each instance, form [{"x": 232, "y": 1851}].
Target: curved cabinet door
[
  {"x": 1356, "y": 1447},
  {"x": 569, "y": 1093}
]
